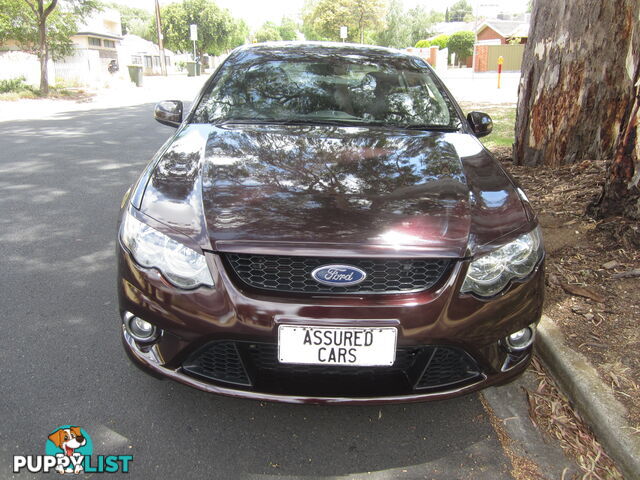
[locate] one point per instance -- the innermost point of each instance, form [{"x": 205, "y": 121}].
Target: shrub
[
  {"x": 15, "y": 85},
  {"x": 441, "y": 41},
  {"x": 461, "y": 43}
]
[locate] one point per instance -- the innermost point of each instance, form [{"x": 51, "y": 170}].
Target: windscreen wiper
[
  {"x": 427, "y": 127},
  {"x": 291, "y": 121}
]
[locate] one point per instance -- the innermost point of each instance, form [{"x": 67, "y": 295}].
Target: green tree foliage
[
  {"x": 21, "y": 25},
  {"x": 397, "y": 31},
  {"x": 421, "y": 23},
  {"x": 135, "y": 21},
  {"x": 43, "y": 27},
  {"x": 218, "y": 31},
  {"x": 405, "y": 28},
  {"x": 368, "y": 15},
  {"x": 461, "y": 43},
  {"x": 269, "y": 32},
  {"x": 240, "y": 33},
  {"x": 288, "y": 29},
  {"x": 441, "y": 41},
  {"x": 322, "y": 19},
  {"x": 461, "y": 11},
  {"x": 308, "y": 29}
]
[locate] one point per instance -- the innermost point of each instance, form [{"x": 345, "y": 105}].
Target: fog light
[
  {"x": 140, "y": 329},
  {"x": 520, "y": 340}
]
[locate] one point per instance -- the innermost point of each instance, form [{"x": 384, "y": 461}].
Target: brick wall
[
  {"x": 489, "y": 33},
  {"x": 433, "y": 52},
  {"x": 482, "y": 57}
]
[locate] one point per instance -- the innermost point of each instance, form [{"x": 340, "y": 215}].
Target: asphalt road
[{"x": 61, "y": 361}]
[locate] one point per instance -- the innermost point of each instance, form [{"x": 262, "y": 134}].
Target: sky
[{"x": 256, "y": 12}]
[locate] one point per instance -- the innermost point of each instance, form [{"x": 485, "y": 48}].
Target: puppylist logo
[{"x": 69, "y": 449}]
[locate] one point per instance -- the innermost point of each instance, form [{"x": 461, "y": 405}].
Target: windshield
[{"x": 332, "y": 88}]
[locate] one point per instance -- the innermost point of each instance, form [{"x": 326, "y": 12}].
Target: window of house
[
  {"x": 109, "y": 44},
  {"x": 156, "y": 61},
  {"x": 136, "y": 59},
  {"x": 167, "y": 61},
  {"x": 95, "y": 42},
  {"x": 147, "y": 61}
]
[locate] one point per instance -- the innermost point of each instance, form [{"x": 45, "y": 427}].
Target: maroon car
[{"x": 325, "y": 226}]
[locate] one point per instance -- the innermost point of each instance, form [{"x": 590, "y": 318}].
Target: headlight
[
  {"x": 182, "y": 266},
  {"x": 489, "y": 274}
]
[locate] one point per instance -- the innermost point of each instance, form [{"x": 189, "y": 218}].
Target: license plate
[{"x": 358, "y": 346}]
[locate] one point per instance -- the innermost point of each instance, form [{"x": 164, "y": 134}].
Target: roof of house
[
  {"x": 448, "y": 28},
  {"x": 506, "y": 28},
  {"x": 139, "y": 45}
]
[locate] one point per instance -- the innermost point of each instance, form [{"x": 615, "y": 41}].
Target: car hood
[{"x": 345, "y": 191}]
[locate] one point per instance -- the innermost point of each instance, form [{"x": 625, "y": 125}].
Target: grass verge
[{"x": 504, "y": 121}]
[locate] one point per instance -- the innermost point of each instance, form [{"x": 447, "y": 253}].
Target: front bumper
[{"x": 193, "y": 320}]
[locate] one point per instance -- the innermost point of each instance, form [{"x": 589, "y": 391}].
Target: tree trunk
[
  {"x": 577, "y": 84},
  {"x": 44, "y": 58},
  {"x": 41, "y": 14},
  {"x": 621, "y": 194}
]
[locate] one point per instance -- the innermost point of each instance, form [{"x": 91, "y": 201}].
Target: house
[
  {"x": 134, "y": 50},
  {"x": 101, "y": 32},
  {"x": 95, "y": 47},
  {"x": 502, "y": 32}
]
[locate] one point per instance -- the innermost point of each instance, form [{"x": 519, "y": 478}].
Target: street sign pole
[
  {"x": 193, "y": 30},
  {"x": 343, "y": 34}
]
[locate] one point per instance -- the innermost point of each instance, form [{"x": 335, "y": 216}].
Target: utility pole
[{"x": 163, "y": 65}]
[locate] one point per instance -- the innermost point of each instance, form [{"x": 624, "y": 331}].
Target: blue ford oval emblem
[{"x": 338, "y": 275}]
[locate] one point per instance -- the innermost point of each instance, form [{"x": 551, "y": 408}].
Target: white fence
[
  {"x": 84, "y": 68},
  {"x": 15, "y": 64},
  {"x": 441, "y": 60}
]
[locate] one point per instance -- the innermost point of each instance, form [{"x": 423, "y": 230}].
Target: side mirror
[
  {"x": 169, "y": 112},
  {"x": 481, "y": 123}
]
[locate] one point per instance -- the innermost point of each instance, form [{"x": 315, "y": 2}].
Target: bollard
[{"x": 500, "y": 62}]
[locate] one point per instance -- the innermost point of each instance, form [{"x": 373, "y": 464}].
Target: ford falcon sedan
[{"x": 325, "y": 227}]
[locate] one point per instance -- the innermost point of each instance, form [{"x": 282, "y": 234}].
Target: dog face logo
[{"x": 66, "y": 440}]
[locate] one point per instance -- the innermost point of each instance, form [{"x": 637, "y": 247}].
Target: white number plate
[{"x": 358, "y": 346}]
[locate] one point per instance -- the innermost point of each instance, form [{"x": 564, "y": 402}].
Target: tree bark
[
  {"x": 577, "y": 83},
  {"x": 620, "y": 193},
  {"x": 42, "y": 14},
  {"x": 44, "y": 59}
]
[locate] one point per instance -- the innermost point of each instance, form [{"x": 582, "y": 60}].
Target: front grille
[
  {"x": 293, "y": 274},
  {"x": 218, "y": 361},
  {"x": 255, "y": 366},
  {"x": 446, "y": 367}
]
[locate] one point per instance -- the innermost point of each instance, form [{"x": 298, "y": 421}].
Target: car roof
[{"x": 336, "y": 48}]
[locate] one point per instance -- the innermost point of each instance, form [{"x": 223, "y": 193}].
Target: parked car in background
[{"x": 325, "y": 226}]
